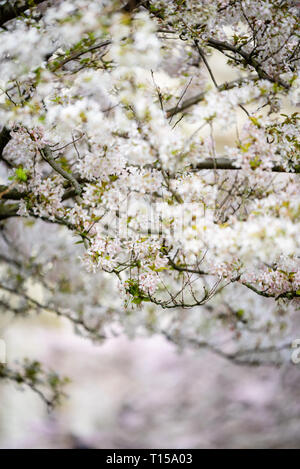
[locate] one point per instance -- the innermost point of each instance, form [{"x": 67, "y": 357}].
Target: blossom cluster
[{"x": 127, "y": 135}]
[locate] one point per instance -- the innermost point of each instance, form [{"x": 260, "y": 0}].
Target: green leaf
[
  {"x": 137, "y": 301},
  {"x": 21, "y": 174}
]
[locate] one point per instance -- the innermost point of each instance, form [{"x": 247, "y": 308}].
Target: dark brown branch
[
  {"x": 56, "y": 64},
  {"x": 4, "y": 139},
  {"x": 181, "y": 268},
  {"x": 202, "y": 55},
  {"x": 201, "y": 96},
  {"x": 289, "y": 295},
  {"x": 7, "y": 193},
  {"x": 11, "y": 194},
  {"x": 47, "y": 156},
  {"x": 226, "y": 164},
  {"x": 225, "y": 46},
  {"x": 73, "y": 318},
  {"x": 11, "y": 211}
]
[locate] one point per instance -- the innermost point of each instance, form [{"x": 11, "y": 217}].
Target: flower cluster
[{"x": 134, "y": 122}]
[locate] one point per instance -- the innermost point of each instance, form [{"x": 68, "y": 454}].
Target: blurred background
[{"x": 145, "y": 393}]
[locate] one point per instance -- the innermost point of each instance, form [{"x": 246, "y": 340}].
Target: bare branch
[
  {"x": 249, "y": 357},
  {"x": 74, "y": 318},
  {"x": 225, "y": 46},
  {"x": 226, "y": 164},
  {"x": 201, "y": 96}
]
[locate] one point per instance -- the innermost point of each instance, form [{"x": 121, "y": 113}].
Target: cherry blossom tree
[{"x": 118, "y": 200}]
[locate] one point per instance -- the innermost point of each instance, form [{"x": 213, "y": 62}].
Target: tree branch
[
  {"x": 7, "y": 193},
  {"x": 47, "y": 385},
  {"x": 226, "y": 164},
  {"x": 56, "y": 64},
  {"x": 4, "y": 139},
  {"x": 225, "y": 46},
  {"x": 241, "y": 357},
  {"x": 47, "y": 156},
  {"x": 201, "y": 96},
  {"x": 77, "y": 320},
  {"x": 289, "y": 295}
]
